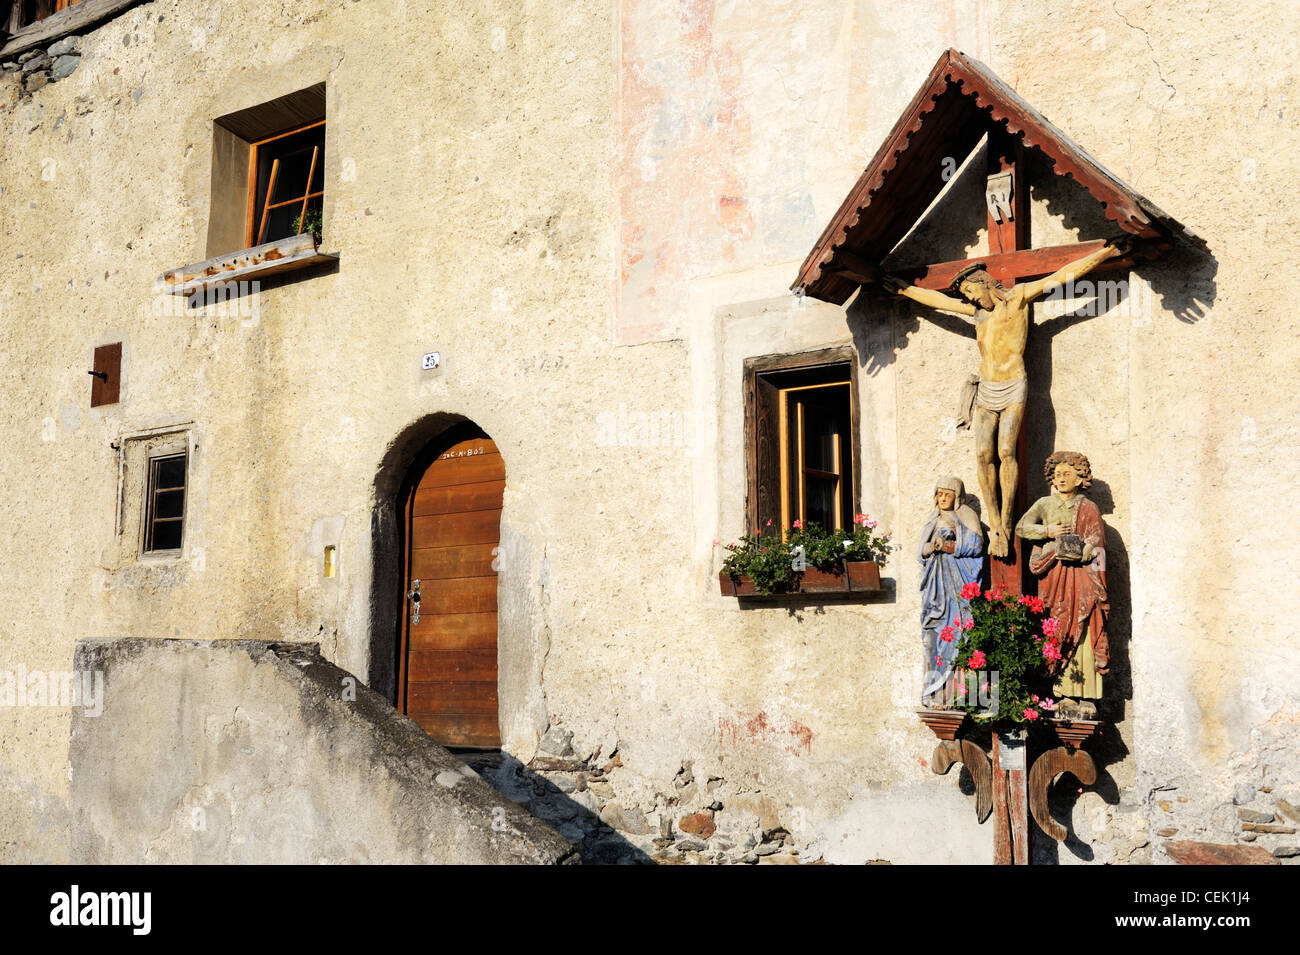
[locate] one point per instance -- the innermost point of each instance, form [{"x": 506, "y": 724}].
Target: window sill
[
  {"x": 858, "y": 577},
  {"x": 270, "y": 258}
]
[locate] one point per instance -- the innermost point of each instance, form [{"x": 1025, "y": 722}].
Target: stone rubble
[
  {"x": 581, "y": 797},
  {"x": 37, "y": 68}
]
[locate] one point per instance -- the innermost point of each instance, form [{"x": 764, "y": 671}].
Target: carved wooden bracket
[
  {"x": 1045, "y": 769},
  {"x": 949, "y": 752},
  {"x": 945, "y": 724}
]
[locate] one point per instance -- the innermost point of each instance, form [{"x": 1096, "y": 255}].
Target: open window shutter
[{"x": 765, "y": 496}]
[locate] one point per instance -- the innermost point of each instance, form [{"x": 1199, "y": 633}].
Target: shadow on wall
[
  {"x": 573, "y": 814},
  {"x": 1183, "y": 280}
]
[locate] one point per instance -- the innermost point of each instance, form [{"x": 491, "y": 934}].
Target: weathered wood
[
  {"x": 459, "y": 595},
  {"x": 1046, "y": 768},
  {"x": 1017, "y": 804},
  {"x": 444, "y": 499},
  {"x": 454, "y": 665},
  {"x": 446, "y": 697},
  {"x": 106, "y": 390},
  {"x": 74, "y": 19},
  {"x": 1012, "y": 572},
  {"x": 454, "y": 631},
  {"x": 1010, "y": 811},
  {"x": 449, "y": 656},
  {"x": 762, "y": 439},
  {"x": 767, "y": 455},
  {"x": 1071, "y": 732},
  {"x": 1006, "y": 155},
  {"x": 476, "y": 730},
  {"x": 440, "y": 563},
  {"x": 1012, "y": 267},
  {"x": 950, "y": 752},
  {"x": 270, "y": 258},
  {"x": 945, "y": 724},
  {"x": 447, "y": 530},
  {"x": 856, "y": 267},
  {"x": 475, "y": 469},
  {"x": 1001, "y": 811},
  {"x": 266, "y": 206},
  {"x": 960, "y": 100}
]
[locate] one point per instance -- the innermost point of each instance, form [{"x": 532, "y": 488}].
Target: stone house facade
[{"x": 593, "y": 213}]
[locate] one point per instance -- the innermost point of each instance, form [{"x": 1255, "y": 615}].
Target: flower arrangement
[
  {"x": 773, "y": 560},
  {"x": 1014, "y": 638}
]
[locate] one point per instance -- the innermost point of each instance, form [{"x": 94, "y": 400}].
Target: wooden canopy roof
[{"x": 959, "y": 102}]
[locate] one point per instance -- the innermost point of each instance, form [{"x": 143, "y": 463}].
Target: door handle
[{"x": 413, "y": 595}]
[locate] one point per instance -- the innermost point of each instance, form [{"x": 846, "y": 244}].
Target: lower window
[
  {"x": 801, "y": 414},
  {"x": 165, "y": 504}
]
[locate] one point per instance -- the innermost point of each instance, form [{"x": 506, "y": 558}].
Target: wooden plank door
[{"x": 449, "y": 656}]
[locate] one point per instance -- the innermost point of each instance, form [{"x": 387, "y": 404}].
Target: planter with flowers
[
  {"x": 1008, "y": 642},
  {"x": 808, "y": 560}
]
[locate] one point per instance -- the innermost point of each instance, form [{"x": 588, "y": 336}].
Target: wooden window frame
[
  {"x": 256, "y": 233},
  {"x": 151, "y": 492},
  {"x": 767, "y": 463}
]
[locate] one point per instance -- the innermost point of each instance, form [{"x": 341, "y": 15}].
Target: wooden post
[
  {"x": 1010, "y": 800},
  {"x": 1005, "y": 155}
]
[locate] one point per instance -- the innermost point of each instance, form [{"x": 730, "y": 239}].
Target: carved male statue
[{"x": 998, "y": 395}]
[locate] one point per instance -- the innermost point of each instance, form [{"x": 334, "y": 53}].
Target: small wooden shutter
[{"x": 108, "y": 361}]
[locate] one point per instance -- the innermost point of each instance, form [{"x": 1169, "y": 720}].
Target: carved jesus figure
[{"x": 1001, "y": 329}]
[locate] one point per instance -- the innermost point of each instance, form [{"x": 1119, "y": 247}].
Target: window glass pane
[
  {"x": 819, "y": 501},
  {"x": 169, "y": 504},
  {"x": 167, "y": 535},
  {"x": 278, "y": 223},
  {"x": 169, "y": 472},
  {"x": 294, "y": 172},
  {"x": 164, "y": 508},
  {"x": 823, "y": 425}
]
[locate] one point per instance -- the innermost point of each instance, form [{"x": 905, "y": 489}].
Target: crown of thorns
[{"x": 955, "y": 285}]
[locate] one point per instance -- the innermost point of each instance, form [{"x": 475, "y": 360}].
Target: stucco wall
[
  {"x": 595, "y": 211},
  {"x": 239, "y": 751}
]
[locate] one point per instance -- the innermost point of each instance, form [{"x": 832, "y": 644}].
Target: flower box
[{"x": 853, "y": 576}]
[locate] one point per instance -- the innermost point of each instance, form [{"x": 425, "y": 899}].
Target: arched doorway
[{"x": 450, "y": 519}]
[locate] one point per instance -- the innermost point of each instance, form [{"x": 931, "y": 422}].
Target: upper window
[
  {"x": 164, "y": 521},
  {"x": 268, "y": 173},
  {"x": 287, "y": 190},
  {"x": 801, "y": 436}
]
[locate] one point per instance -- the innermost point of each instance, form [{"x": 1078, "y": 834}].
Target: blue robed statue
[{"x": 951, "y": 554}]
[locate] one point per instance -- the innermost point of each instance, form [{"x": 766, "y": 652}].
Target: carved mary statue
[{"x": 951, "y": 554}]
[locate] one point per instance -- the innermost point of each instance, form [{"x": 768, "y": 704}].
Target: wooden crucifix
[{"x": 994, "y": 402}]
